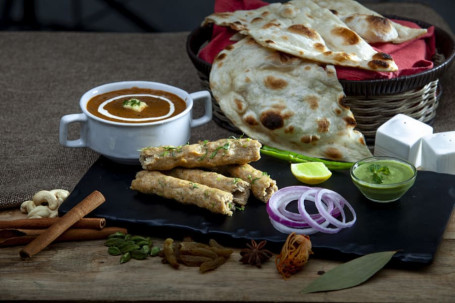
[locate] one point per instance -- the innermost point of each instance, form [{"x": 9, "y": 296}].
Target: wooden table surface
[{"x": 83, "y": 271}]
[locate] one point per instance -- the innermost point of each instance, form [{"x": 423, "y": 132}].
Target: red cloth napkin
[{"x": 411, "y": 57}]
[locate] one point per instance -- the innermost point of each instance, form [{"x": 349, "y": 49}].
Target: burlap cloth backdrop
[{"x": 43, "y": 75}]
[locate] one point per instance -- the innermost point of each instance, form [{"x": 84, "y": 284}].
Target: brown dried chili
[{"x": 294, "y": 255}]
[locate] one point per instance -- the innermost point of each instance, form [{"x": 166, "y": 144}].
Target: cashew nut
[
  {"x": 45, "y": 196},
  {"x": 44, "y": 203},
  {"x": 60, "y": 194},
  {"x": 42, "y": 211},
  {"x": 27, "y": 206}
]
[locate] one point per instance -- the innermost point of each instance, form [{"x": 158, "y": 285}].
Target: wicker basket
[{"x": 371, "y": 101}]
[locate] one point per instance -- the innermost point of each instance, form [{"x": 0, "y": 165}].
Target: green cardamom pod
[
  {"x": 145, "y": 249},
  {"x": 137, "y": 239},
  {"x": 138, "y": 255},
  {"x": 114, "y": 242},
  {"x": 129, "y": 248},
  {"x": 142, "y": 242},
  {"x": 114, "y": 251},
  {"x": 125, "y": 258},
  {"x": 116, "y": 235},
  {"x": 154, "y": 251}
]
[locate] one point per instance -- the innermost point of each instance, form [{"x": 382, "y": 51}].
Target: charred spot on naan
[
  {"x": 239, "y": 105},
  {"x": 319, "y": 47},
  {"x": 333, "y": 153},
  {"x": 289, "y": 129},
  {"x": 281, "y": 58},
  {"x": 362, "y": 140},
  {"x": 304, "y": 31},
  {"x": 307, "y": 139},
  {"x": 350, "y": 121},
  {"x": 349, "y": 36},
  {"x": 380, "y": 60},
  {"x": 288, "y": 11},
  {"x": 272, "y": 119},
  {"x": 335, "y": 12},
  {"x": 342, "y": 102},
  {"x": 313, "y": 101},
  {"x": 378, "y": 64},
  {"x": 250, "y": 120},
  {"x": 257, "y": 20},
  {"x": 341, "y": 57},
  {"x": 382, "y": 56},
  {"x": 275, "y": 83},
  {"x": 379, "y": 23},
  {"x": 270, "y": 25},
  {"x": 323, "y": 125}
]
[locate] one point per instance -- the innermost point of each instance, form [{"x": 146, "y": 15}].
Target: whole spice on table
[
  {"x": 87, "y": 205},
  {"x": 129, "y": 247},
  {"x": 255, "y": 254},
  {"x": 12, "y": 237},
  {"x": 207, "y": 257},
  {"x": 294, "y": 255}
]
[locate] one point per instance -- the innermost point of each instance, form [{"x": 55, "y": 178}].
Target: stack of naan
[{"x": 278, "y": 84}]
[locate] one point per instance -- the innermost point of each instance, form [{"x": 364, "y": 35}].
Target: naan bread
[
  {"x": 370, "y": 25},
  {"x": 285, "y": 102},
  {"x": 308, "y": 31}
]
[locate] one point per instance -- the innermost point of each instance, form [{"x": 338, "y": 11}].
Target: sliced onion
[
  {"x": 307, "y": 218},
  {"x": 329, "y": 204},
  {"x": 284, "y": 197},
  {"x": 340, "y": 202}
]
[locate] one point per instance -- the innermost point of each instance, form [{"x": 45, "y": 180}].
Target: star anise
[{"x": 255, "y": 254}]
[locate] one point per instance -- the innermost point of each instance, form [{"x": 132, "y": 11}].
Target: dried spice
[
  {"x": 351, "y": 273},
  {"x": 130, "y": 247},
  {"x": 194, "y": 254},
  {"x": 294, "y": 255},
  {"x": 255, "y": 254}
]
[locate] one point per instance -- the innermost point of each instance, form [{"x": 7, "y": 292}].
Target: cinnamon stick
[
  {"x": 21, "y": 237},
  {"x": 84, "y": 207},
  {"x": 40, "y": 223}
]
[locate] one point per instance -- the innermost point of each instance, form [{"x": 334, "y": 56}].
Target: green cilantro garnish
[
  {"x": 379, "y": 171},
  {"x": 225, "y": 147}
]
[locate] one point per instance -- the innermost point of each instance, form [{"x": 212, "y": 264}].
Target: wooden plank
[{"x": 84, "y": 271}]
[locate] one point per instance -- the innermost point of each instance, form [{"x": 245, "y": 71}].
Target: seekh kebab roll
[
  {"x": 262, "y": 186},
  {"x": 186, "y": 192},
  {"x": 239, "y": 188},
  {"x": 207, "y": 154}
]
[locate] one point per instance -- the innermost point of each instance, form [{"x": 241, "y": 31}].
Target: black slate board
[{"x": 413, "y": 225}]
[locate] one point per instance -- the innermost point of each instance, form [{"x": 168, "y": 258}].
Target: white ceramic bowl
[{"x": 122, "y": 142}]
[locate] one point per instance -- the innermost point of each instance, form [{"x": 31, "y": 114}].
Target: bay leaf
[{"x": 351, "y": 273}]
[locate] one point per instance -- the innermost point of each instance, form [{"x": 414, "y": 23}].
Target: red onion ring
[
  {"x": 340, "y": 202},
  {"x": 307, "y": 218},
  {"x": 329, "y": 205},
  {"x": 285, "y": 196}
]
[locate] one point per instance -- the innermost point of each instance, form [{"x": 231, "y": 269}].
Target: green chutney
[{"x": 383, "y": 180}]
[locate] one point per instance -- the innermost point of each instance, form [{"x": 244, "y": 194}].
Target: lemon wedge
[{"x": 311, "y": 172}]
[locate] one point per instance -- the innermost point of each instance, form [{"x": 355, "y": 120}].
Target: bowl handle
[
  {"x": 204, "y": 96},
  {"x": 63, "y": 134}
]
